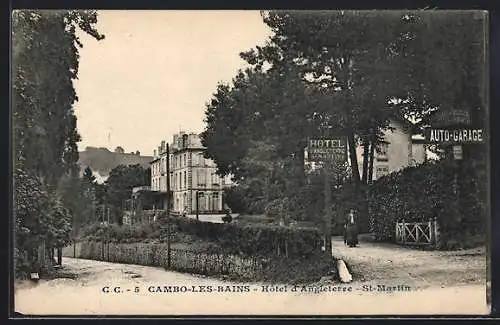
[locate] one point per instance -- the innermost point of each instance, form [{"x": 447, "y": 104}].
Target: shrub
[
  {"x": 40, "y": 217},
  {"x": 210, "y": 261},
  {"x": 240, "y": 239},
  {"x": 419, "y": 193},
  {"x": 254, "y": 239}
]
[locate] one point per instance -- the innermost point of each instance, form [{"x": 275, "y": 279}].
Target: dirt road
[
  {"x": 375, "y": 262},
  {"x": 143, "y": 291}
]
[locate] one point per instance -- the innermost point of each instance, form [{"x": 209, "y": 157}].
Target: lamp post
[
  {"x": 108, "y": 233},
  {"x": 197, "y": 205},
  {"x": 198, "y": 195}
]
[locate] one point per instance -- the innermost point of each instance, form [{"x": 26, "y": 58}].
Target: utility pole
[
  {"x": 197, "y": 205},
  {"x": 328, "y": 212},
  {"x": 102, "y": 238},
  {"x": 168, "y": 208},
  {"x": 74, "y": 235},
  {"x": 108, "y": 234}
]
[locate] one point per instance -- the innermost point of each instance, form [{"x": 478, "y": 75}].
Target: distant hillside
[{"x": 102, "y": 161}]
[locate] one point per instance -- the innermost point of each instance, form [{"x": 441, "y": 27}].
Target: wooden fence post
[
  {"x": 397, "y": 231},
  {"x": 436, "y": 232},
  {"x": 403, "y": 231},
  {"x": 431, "y": 236}
]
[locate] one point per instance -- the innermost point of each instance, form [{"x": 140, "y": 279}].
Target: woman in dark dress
[{"x": 351, "y": 229}]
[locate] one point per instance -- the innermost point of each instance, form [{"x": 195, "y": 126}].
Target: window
[
  {"x": 185, "y": 179},
  {"x": 382, "y": 151},
  {"x": 185, "y": 163},
  {"x": 215, "y": 201},
  {"x": 381, "y": 171},
  {"x": 215, "y": 179},
  {"x": 201, "y": 177}
]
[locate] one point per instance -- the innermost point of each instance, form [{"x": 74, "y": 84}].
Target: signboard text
[
  {"x": 455, "y": 135},
  {"x": 321, "y": 150}
]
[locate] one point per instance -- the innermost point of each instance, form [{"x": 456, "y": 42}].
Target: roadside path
[
  {"x": 84, "y": 296},
  {"x": 376, "y": 262}
]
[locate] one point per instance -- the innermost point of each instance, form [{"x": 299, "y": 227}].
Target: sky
[{"x": 155, "y": 70}]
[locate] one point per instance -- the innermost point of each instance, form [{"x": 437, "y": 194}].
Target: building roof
[{"x": 415, "y": 129}]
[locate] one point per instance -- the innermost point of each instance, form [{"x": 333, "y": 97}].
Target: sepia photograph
[{"x": 250, "y": 163}]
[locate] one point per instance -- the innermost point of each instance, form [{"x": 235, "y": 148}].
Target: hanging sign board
[
  {"x": 449, "y": 118},
  {"x": 327, "y": 149},
  {"x": 453, "y": 127},
  {"x": 452, "y": 135}
]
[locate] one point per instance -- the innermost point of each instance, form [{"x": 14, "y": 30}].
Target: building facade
[
  {"x": 400, "y": 149},
  {"x": 194, "y": 184}
]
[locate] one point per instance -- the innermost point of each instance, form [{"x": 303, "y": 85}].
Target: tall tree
[
  {"x": 350, "y": 57},
  {"x": 45, "y": 63},
  {"x": 119, "y": 185}
]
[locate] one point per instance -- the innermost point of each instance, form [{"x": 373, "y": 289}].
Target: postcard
[{"x": 277, "y": 163}]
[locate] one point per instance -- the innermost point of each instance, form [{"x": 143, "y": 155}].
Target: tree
[
  {"x": 350, "y": 57},
  {"x": 330, "y": 74},
  {"x": 39, "y": 216},
  {"x": 45, "y": 63},
  {"x": 119, "y": 150},
  {"x": 119, "y": 185}
]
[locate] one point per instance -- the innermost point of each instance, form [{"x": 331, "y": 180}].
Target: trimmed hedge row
[
  {"x": 211, "y": 262},
  {"x": 233, "y": 238},
  {"x": 419, "y": 193},
  {"x": 255, "y": 239}
]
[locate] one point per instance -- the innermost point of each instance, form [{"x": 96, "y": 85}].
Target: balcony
[{"x": 144, "y": 188}]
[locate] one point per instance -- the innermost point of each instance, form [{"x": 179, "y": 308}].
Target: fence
[
  {"x": 183, "y": 260},
  {"x": 417, "y": 233}
]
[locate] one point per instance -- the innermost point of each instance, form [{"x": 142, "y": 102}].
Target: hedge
[
  {"x": 419, "y": 193},
  {"x": 218, "y": 263},
  {"x": 233, "y": 238}
]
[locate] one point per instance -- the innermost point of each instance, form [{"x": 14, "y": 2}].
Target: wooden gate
[{"x": 417, "y": 233}]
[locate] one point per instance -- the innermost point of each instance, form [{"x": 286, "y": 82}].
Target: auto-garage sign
[{"x": 453, "y": 127}]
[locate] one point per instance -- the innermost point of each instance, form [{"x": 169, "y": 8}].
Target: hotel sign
[{"x": 327, "y": 149}]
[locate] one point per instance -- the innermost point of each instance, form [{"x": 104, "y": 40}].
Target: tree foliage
[
  {"x": 120, "y": 182},
  {"x": 44, "y": 64},
  {"x": 39, "y": 215},
  {"x": 338, "y": 73}
]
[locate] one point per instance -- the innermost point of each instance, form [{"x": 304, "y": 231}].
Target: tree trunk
[
  {"x": 370, "y": 164},
  {"x": 366, "y": 149},
  {"x": 352, "y": 155},
  {"x": 59, "y": 255},
  {"x": 301, "y": 166},
  {"x": 328, "y": 214}
]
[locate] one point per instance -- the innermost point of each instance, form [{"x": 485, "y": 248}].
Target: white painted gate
[{"x": 417, "y": 233}]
